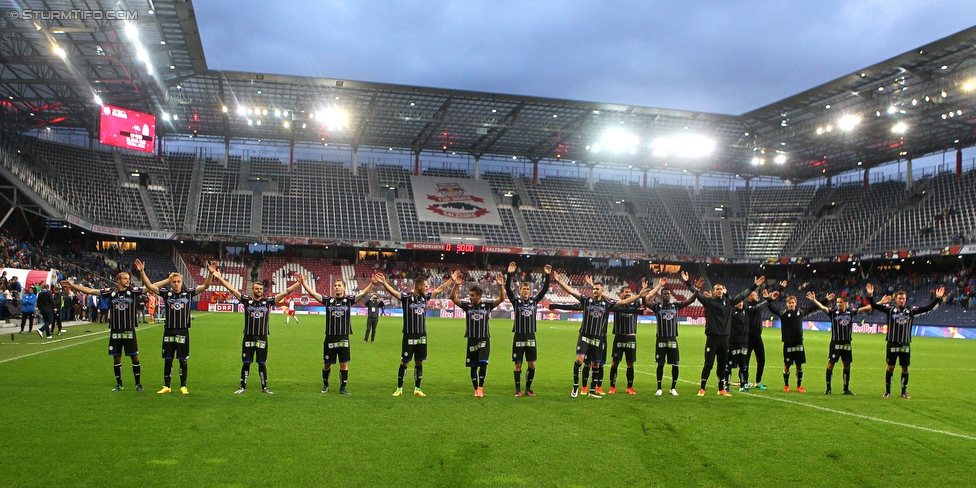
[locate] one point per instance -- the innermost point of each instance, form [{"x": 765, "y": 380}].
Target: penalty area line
[{"x": 849, "y": 414}]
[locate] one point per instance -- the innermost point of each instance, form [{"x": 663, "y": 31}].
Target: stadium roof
[{"x": 158, "y": 65}]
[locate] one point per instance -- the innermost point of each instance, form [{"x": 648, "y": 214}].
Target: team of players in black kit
[{"x": 733, "y": 329}]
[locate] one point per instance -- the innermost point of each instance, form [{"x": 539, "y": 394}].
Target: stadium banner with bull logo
[{"x": 457, "y": 200}]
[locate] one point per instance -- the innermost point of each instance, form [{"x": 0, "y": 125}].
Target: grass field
[{"x": 64, "y": 428}]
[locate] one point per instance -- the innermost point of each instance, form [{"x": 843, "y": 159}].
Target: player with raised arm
[
  {"x": 739, "y": 347},
  {"x": 624, "y": 341},
  {"x": 414, "y": 328},
  {"x": 754, "y": 315},
  {"x": 791, "y": 329},
  {"x": 176, "y": 331},
  {"x": 718, "y": 316},
  {"x": 899, "y": 337},
  {"x": 524, "y": 328},
  {"x": 841, "y": 327},
  {"x": 123, "y": 302},
  {"x": 591, "y": 345},
  {"x": 476, "y": 329},
  {"x": 338, "y": 328},
  {"x": 666, "y": 314},
  {"x": 257, "y": 312}
]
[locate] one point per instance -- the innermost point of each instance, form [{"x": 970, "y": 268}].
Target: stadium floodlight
[
  {"x": 757, "y": 161},
  {"x": 780, "y": 158},
  {"x": 241, "y": 110},
  {"x": 98, "y": 100},
  {"x": 969, "y": 85},
  {"x": 131, "y": 31},
  {"x": 848, "y": 122},
  {"x": 223, "y": 109},
  {"x": 333, "y": 118},
  {"x": 60, "y": 52},
  {"x": 900, "y": 128},
  {"x": 892, "y": 109},
  {"x": 616, "y": 140},
  {"x": 683, "y": 146}
]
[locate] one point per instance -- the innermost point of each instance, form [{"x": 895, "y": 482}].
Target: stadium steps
[
  {"x": 814, "y": 206},
  {"x": 682, "y": 225},
  {"x": 193, "y": 203},
  {"x": 523, "y": 228},
  {"x": 392, "y": 221},
  {"x": 374, "y": 182},
  {"x": 243, "y": 174},
  {"x": 150, "y": 208},
  {"x": 643, "y": 239},
  {"x": 727, "y": 238}
]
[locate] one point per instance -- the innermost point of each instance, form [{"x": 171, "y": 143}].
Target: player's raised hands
[
  {"x": 500, "y": 279},
  {"x": 512, "y": 267},
  {"x": 940, "y": 293},
  {"x": 869, "y": 288},
  {"x": 139, "y": 265},
  {"x": 300, "y": 278},
  {"x": 831, "y": 296},
  {"x": 760, "y": 280},
  {"x": 700, "y": 282},
  {"x": 783, "y": 283},
  {"x": 885, "y": 299},
  {"x": 374, "y": 278},
  {"x": 765, "y": 293},
  {"x": 457, "y": 277},
  {"x": 212, "y": 267},
  {"x": 379, "y": 277},
  {"x": 547, "y": 269},
  {"x": 811, "y": 295},
  {"x": 707, "y": 294},
  {"x": 684, "y": 276},
  {"x": 65, "y": 284},
  {"x": 589, "y": 280}
]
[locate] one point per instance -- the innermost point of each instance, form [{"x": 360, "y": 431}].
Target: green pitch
[{"x": 64, "y": 428}]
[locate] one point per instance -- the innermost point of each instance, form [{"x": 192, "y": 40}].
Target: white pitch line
[
  {"x": 841, "y": 412},
  {"x": 65, "y": 346}
]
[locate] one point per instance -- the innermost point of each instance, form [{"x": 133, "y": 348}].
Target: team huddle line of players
[{"x": 733, "y": 329}]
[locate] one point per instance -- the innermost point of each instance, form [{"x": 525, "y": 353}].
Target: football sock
[
  {"x": 613, "y": 375},
  {"x": 576, "y": 374},
  {"x": 118, "y": 373},
  {"x": 482, "y": 372},
  {"x": 660, "y": 374},
  {"x": 137, "y": 372},
  {"x": 743, "y": 376},
  {"x": 474, "y": 377},
  {"x": 904, "y": 382},
  {"x": 343, "y": 375},
  {"x": 183, "y": 368},
  {"x": 674, "y": 376},
  {"x": 167, "y": 372},
  {"x": 400, "y": 374},
  {"x": 263, "y": 373},
  {"x": 888, "y": 375},
  {"x": 786, "y": 378},
  {"x": 418, "y": 375},
  {"x": 245, "y": 372},
  {"x": 847, "y": 379},
  {"x": 325, "y": 377},
  {"x": 593, "y": 377},
  {"x": 518, "y": 380},
  {"x": 528, "y": 378},
  {"x": 830, "y": 374},
  {"x": 630, "y": 377},
  {"x": 799, "y": 377},
  {"x": 586, "y": 374}
]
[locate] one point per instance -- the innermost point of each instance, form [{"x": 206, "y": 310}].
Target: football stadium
[{"x": 629, "y": 264}]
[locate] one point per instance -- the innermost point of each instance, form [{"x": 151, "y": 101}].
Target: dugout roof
[{"x": 927, "y": 89}]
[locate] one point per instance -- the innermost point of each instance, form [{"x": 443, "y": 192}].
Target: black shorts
[
  {"x": 667, "y": 350},
  {"x": 176, "y": 343},
  {"x": 739, "y": 354},
  {"x": 594, "y": 348},
  {"x": 793, "y": 353},
  {"x": 902, "y": 353},
  {"x": 840, "y": 351},
  {"x": 254, "y": 348},
  {"x": 624, "y": 346},
  {"x": 123, "y": 341},
  {"x": 415, "y": 347},
  {"x": 478, "y": 351},
  {"x": 335, "y": 348},
  {"x": 523, "y": 346}
]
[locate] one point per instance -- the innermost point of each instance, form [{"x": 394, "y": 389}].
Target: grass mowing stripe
[{"x": 841, "y": 412}]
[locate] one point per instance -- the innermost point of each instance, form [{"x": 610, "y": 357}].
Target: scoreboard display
[{"x": 121, "y": 127}]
